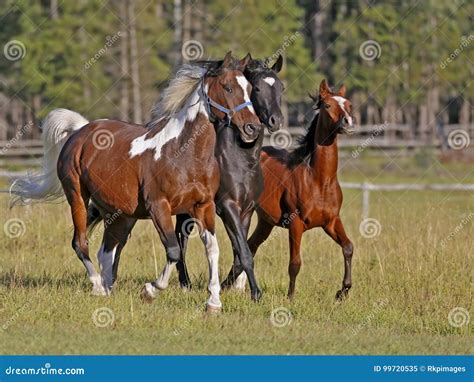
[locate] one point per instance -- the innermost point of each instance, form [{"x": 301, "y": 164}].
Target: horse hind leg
[
  {"x": 115, "y": 237},
  {"x": 184, "y": 226},
  {"x": 78, "y": 201},
  {"x": 336, "y": 231},
  {"x": 160, "y": 213}
]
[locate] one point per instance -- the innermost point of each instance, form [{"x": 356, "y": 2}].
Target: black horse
[{"x": 241, "y": 181}]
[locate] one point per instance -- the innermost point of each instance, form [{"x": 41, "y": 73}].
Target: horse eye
[
  {"x": 227, "y": 89},
  {"x": 257, "y": 89},
  {"x": 327, "y": 106}
]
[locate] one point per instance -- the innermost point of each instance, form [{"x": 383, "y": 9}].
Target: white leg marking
[
  {"x": 212, "y": 252},
  {"x": 241, "y": 282},
  {"x": 97, "y": 286},
  {"x": 106, "y": 262},
  {"x": 163, "y": 281}
]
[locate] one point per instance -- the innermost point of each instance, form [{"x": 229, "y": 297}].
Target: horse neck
[
  {"x": 324, "y": 160},
  {"x": 229, "y": 143}
]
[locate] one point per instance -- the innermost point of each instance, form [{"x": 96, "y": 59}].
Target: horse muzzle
[{"x": 249, "y": 132}]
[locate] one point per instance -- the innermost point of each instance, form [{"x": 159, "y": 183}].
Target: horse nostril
[
  {"x": 272, "y": 121},
  {"x": 250, "y": 129}
]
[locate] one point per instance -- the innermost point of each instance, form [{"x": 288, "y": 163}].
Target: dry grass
[{"x": 405, "y": 285}]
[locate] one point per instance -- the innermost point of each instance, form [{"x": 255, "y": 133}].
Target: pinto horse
[
  {"x": 241, "y": 181},
  {"x": 301, "y": 188},
  {"x": 159, "y": 172}
]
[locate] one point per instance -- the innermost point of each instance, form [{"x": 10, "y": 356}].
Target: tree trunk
[
  {"x": 134, "y": 65},
  {"x": 178, "y": 30},
  {"x": 3, "y": 117},
  {"x": 464, "y": 113},
  {"x": 124, "y": 67},
  {"x": 53, "y": 9}
]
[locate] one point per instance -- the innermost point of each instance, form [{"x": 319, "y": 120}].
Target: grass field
[{"x": 405, "y": 282}]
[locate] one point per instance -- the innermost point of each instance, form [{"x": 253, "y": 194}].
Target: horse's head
[
  {"x": 228, "y": 91},
  {"x": 335, "y": 109},
  {"x": 266, "y": 91}
]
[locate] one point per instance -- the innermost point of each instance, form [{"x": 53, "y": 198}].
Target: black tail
[{"x": 94, "y": 217}]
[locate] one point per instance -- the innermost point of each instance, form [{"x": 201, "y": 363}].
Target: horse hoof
[
  {"x": 147, "y": 294},
  {"x": 100, "y": 291},
  {"x": 226, "y": 285},
  {"x": 342, "y": 294},
  {"x": 256, "y": 296},
  {"x": 212, "y": 309}
]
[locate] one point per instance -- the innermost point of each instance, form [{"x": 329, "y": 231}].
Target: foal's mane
[{"x": 307, "y": 143}]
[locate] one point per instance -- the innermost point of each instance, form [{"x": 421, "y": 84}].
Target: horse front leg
[
  {"x": 336, "y": 231},
  {"x": 236, "y": 276},
  {"x": 295, "y": 232},
  {"x": 237, "y": 234},
  {"x": 206, "y": 215}
]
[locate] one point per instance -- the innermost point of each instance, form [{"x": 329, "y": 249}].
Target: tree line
[{"x": 402, "y": 61}]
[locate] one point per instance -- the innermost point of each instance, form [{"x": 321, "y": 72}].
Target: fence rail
[
  {"x": 368, "y": 187},
  {"x": 395, "y": 137}
]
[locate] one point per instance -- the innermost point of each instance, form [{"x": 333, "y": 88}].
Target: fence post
[{"x": 365, "y": 200}]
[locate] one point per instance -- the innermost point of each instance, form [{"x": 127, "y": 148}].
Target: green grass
[{"x": 404, "y": 283}]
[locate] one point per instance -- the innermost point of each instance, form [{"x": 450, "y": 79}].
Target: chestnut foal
[{"x": 301, "y": 189}]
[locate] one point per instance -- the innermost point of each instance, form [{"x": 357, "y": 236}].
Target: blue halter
[{"x": 228, "y": 112}]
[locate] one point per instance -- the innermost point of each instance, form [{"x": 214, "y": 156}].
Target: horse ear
[
  {"x": 342, "y": 91},
  {"x": 324, "y": 90},
  {"x": 278, "y": 64},
  {"x": 245, "y": 61},
  {"x": 227, "y": 60}
]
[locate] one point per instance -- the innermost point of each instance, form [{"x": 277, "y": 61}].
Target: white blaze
[
  {"x": 244, "y": 85},
  {"x": 269, "y": 80},
  {"x": 342, "y": 101}
]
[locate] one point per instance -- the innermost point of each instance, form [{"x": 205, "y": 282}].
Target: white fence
[{"x": 368, "y": 187}]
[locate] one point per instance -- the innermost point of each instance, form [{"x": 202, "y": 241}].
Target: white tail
[{"x": 44, "y": 185}]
